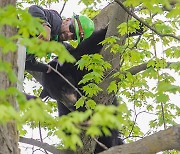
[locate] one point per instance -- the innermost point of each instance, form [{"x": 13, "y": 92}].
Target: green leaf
[
  {"x": 130, "y": 3},
  {"x": 90, "y": 104},
  {"x": 151, "y": 63},
  {"x": 42, "y": 48},
  {"x": 123, "y": 108},
  {"x": 93, "y": 131},
  {"x": 80, "y": 102},
  {"x": 112, "y": 87},
  {"x": 174, "y": 13},
  {"x": 83, "y": 62},
  {"x": 163, "y": 86},
  {"x": 7, "y": 44},
  {"x": 92, "y": 76},
  {"x": 162, "y": 98},
  {"x": 91, "y": 89}
]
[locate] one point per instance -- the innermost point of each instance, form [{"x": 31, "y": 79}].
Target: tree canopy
[{"x": 142, "y": 71}]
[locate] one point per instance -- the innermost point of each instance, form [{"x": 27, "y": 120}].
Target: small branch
[
  {"x": 76, "y": 89},
  {"x": 136, "y": 69},
  {"x": 134, "y": 122},
  {"x": 62, "y": 8},
  {"x": 144, "y": 23},
  {"x": 101, "y": 144},
  {"x": 163, "y": 116},
  {"x": 40, "y": 133},
  {"x": 135, "y": 45},
  {"x": 136, "y": 116},
  {"x": 141, "y": 137}
]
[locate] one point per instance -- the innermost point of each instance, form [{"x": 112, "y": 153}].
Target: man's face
[{"x": 67, "y": 30}]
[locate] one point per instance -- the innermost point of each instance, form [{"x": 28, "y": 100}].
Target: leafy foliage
[{"x": 147, "y": 92}]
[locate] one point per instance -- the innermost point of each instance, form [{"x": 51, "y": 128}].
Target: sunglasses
[{"x": 72, "y": 30}]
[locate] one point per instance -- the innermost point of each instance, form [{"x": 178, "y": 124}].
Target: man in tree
[{"x": 58, "y": 29}]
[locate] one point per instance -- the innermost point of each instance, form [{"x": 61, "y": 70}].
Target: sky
[{"x": 70, "y": 7}]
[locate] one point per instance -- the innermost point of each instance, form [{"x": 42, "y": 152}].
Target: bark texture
[
  {"x": 116, "y": 17},
  {"x": 163, "y": 140},
  {"x": 8, "y": 131}
]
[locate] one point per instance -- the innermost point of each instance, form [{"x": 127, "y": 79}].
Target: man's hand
[{"x": 48, "y": 33}]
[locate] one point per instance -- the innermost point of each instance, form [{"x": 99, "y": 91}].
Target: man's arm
[{"x": 37, "y": 11}]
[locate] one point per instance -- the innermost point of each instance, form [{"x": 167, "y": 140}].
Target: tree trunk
[
  {"x": 8, "y": 131},
  {"x": 116, "y": 17}
]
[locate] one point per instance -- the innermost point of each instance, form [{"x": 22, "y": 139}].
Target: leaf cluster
[{"x": 148, "y": 91}]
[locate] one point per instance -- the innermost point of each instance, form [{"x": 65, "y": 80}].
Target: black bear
[{"x": 58, "y": 89}]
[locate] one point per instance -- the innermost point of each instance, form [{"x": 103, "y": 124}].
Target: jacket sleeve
[{"x": 37, "y": 11}]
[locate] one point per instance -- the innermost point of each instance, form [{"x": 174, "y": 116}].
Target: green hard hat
[{"x": 87, "y": 27}]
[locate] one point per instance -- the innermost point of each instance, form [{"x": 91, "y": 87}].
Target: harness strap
[{"x": 81, "y": 32}]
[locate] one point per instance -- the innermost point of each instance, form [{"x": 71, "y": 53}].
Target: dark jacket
[{"x": 52, "y": 18}]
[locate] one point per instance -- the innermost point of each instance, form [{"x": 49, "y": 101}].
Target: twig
[
  {"x": 66, "y": 80},
  {"x": 101, "y": 144},
  {"x": 136, "y": 116},
  {"x": 144, "y": 23},
  {"x": 40, "y": 133},
  {"x": 135, "y": 45},
  {"x": 62, "y": 8},
  {"x": 163, "y": 116}
]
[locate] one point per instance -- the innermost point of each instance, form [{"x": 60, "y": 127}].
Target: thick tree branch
[
  {"x": 44, "y": 146},
  {"x": 39, "y": 144},
  {"x": 163, "y": 140},
  {"x": 144, "y": 23}
]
